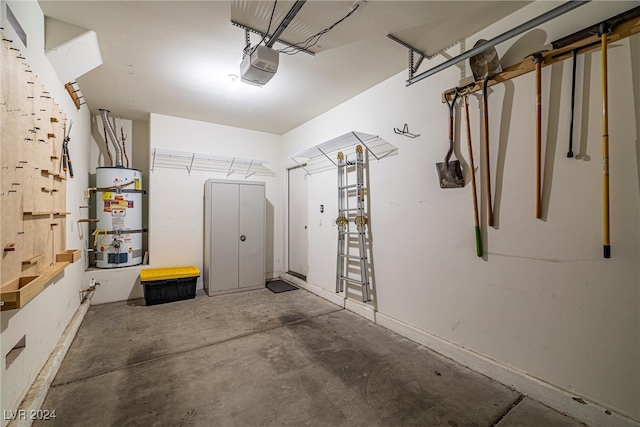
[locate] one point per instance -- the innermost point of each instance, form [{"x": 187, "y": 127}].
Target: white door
[
  {"x": 251, "y": 236},
  {"x": 224, "y": 237},
  {"x": 298, "y": 221}
]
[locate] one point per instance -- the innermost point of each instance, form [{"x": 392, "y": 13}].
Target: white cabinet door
[
  {"x": 223, "y": 236},
  {"x": 251, "y": 232}
]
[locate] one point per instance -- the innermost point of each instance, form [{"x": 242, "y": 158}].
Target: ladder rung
[
  {"x": 349, "y": 232},
  {"x": 349, "y": 279},
  {"x": 350, "y": 256},
  {"x": 347, "y": 209},
  {"x": 344, "y": 187}
]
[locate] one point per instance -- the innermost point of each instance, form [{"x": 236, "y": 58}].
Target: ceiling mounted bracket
[
  {"x": 261, "y": 34},
  {"x": 413, "y": 64},
  {"x": 533, "y": 23}
]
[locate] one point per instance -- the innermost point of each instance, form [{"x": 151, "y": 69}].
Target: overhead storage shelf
[
  {"x": 622, "y": 26},
  {"x": 323, "y": 156},
  {"x": 190, "y": 161}
]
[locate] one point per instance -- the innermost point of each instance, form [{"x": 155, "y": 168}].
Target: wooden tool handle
[
  {"x": 473, "y": 180},
  {"x": 485, "y": 110},
  {"x": 538, "y": 137}
]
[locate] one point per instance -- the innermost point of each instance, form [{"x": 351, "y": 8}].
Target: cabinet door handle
[{"x": 243, "y": 238}]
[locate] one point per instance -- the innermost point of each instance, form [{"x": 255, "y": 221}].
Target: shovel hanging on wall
[
  {"x": 449, "y": 171},
  {"x": 484, "y": 66}
]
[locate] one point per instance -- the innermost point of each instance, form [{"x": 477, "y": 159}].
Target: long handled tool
[
  {"x": 449, "y": 171},
  {"x": 573, "y": 100},
  {"x": 537, "y": 60},
  {"x": 66, "y": 157},
  {"x": 603, "y": 32},
  {"x": 484, "y": 66},
  {"x": 63, "y": 151},
  {"x": 476, "y": 218}
]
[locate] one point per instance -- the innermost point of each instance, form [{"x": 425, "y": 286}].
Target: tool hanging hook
[{"x": 405, "y": 132}]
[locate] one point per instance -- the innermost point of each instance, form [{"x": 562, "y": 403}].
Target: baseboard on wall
[
  {"x": 561, "y": 400},
  {"x": 362, "y": 309},
  {"x": 577, "y": 407},
  {"x": 34, "y": 398},
  {"x": 321, "y": 292}
]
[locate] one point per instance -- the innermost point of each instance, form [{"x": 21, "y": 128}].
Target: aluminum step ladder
[{"x": 350, "y": 262}]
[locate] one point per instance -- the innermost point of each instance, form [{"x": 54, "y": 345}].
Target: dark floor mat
[{"x": 277, "y": 286}]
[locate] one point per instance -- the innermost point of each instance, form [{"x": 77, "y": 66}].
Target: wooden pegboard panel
[{"x": 33, "y": 187}]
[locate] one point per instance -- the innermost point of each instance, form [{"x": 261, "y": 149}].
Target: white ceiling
[{"x": 173, "y": 57}]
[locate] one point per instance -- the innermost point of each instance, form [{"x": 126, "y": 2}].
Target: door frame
[{"x": 294, "y": 273}]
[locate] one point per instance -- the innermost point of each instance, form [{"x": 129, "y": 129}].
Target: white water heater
[{"x": 118, "y": 236}]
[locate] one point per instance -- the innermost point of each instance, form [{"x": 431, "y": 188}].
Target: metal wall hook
[{"x": 405, "y": 132}]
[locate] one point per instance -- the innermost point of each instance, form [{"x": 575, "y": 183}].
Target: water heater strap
[{"x": 142, "y": 230}]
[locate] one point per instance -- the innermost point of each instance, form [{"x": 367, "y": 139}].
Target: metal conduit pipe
[{"x": 547, "y": 16}]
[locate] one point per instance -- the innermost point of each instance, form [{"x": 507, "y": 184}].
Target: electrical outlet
[{"x": 92, "y": 282}]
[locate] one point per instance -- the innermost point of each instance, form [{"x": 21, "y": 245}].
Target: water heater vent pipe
[{"x": 112, "y": 136}]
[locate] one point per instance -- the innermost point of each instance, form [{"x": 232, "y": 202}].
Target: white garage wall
[
  {"x": 542, "y": 300},
  {"x": 44, "y": 319},
  {"x": 176, "y": 198}
]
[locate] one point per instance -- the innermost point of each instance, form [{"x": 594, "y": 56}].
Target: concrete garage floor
[{"x": 259, "y": 358}]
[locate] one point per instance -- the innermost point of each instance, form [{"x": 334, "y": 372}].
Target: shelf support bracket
[
  {"x": 230, "y": 171},
  {"x": 413, "y": 64},
  {"x": 193, "y": 156},
  {"x": 249, "y": 173},
  {"x": 539, "y": 20}
]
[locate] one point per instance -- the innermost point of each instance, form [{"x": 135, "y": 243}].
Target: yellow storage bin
[
  {"x": 153, "y": 274},
  {"x": 162, "y": 285}
]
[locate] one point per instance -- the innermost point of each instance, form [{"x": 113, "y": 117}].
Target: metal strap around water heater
[{"x": 142, "y": 230}]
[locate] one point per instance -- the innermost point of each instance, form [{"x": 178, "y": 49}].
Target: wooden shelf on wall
[
  {"x": 32, "y": 261},
  {"x": 37, "y": 213},
  {"x": 18, "y": 292},
  {"x": 45, "y": 213},
  {"x": 70, "y": 256}
]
